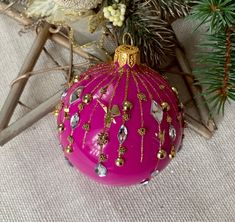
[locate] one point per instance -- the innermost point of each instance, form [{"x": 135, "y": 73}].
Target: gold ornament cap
[{"x": 127, "y": 54}]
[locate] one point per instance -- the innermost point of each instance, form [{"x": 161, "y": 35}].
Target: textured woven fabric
[{"x": 37, "y": 185}]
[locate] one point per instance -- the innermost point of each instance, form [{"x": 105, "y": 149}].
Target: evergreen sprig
[
  {"x": 215, "y": 68},
  {"x": 148, "y": 23},
  {"x": 219, "y": 14}
]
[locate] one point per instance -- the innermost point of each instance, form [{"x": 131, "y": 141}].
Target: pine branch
[
  {"x": 151, "y": 34},
  {"x": 217, "y": 74},
  {"x": 219, "y": 14}
]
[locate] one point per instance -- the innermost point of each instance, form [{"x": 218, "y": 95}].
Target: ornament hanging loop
[{"x": 127, "y": 36}]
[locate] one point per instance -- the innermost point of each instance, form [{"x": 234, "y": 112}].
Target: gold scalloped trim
[{"x": 127, "y": 54}]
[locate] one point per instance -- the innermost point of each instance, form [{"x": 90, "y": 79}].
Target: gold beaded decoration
[
  {"x": 119, "y": 162},
  {"x": 172, "y": 153},
  {"x": 69, "y": 149},
  {"x": 87, "y": 98},
  {"x": 66, "y": 113},
  {"x": 161, "y": 155},
  {"x": 61, "y": 127},
  {"x": 165, "y": 106}
]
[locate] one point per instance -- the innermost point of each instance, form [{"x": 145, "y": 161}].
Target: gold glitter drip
[{"x": 141, "y": 118}]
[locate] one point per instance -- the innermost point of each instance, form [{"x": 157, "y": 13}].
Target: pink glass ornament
[{"x": 121, "y": 124}]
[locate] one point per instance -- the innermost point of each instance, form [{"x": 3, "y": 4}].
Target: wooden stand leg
[
  {"x": 196, "y": 91},
  {"x": 17, "y": 89},
  {"x": 29, "y": 119}
]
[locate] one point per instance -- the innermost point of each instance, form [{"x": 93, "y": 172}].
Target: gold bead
[
  {"x": 165, "y": 106},
  {"x": 87, "y": 98},
  {"x": 66, "y": 113},
  {"x": 173, "y": 153},
  {"x": 69, "y": 149},
  {"x": 76, "y": 78},
  {"x": 61, "y": 127},
  {"x": 161, "y": 154},
  {"x": 56, "y": 112},
  {"x": 175, "y": 91},
  {"x": 127, "y": 106},
  {"x": 120, "y": 162},
  {"x": 66, "y": 110}
]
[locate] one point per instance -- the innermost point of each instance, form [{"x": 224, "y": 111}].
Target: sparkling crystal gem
[
  {"x": 76, "y": 95},
  {"x": 161, "y": 154},
  {"x": 100, "y": 170},
  {"x": 172, "y": 132},
  {"x": 145, "y": 182},
  {"x": 64, "y": 94},
  {"x": 120, "y": 162},
  {"x": 122, "y": 134},
  {"x": 156, "y": 111},
  {"x": 74, "y": 120}
]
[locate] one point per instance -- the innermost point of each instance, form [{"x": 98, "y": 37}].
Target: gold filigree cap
[{"x": 127, "y": 54}]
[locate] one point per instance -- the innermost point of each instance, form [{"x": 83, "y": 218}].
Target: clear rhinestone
[
  {"x": 145, "y": 182},
  {"x": 172, "y": 132},
  {"x": 155, "y": 173},
  {"x": 64, "y": 94},
  {"x": 100, "y": 170},
  {"x": 122, "y": 134},
  {"x": 76, "y": 94},
  {"x": 156, "y": 111},
  {"x": 74, "y": 120}
]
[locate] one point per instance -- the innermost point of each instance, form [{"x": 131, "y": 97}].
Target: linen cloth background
[{"x": 36, "y": 184}]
